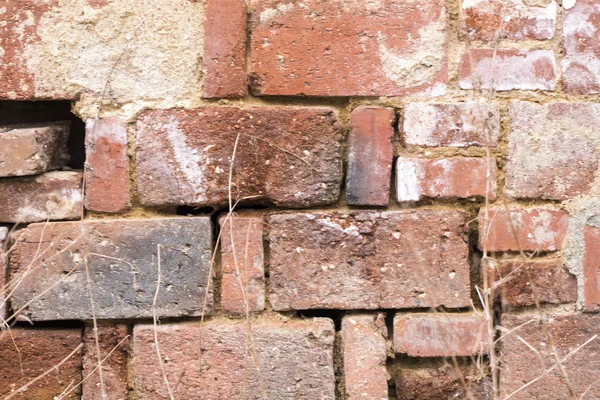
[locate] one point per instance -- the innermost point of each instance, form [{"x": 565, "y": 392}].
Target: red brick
[
  {"x": 552, "y": 149},
  {"x": 455, "y": 124},
  {"x": 368, "y": 260},
  {"x": 440, "y": 335},
  {"x": 443, "y": 178},
  {"x": 522, "y": 19},
  {"x": 290, "y": 156},
  {"x": 35, "y": 351},
  {"x": 591, "y": 269},
  {"x": 515, "y": 229},
  {"x": 33, "y": 149},
  {"x": 365, "y": 354},
  {"x": 123, "y": 268},
  {"x": 370, "y": 156},
  {"x": 215, "y": 360},
  {"x": 441, "y": 382},
  {"x": 247, "y": 239},
  {"x": 114, "y": 368},
  {"x": 107, "y": 169},
  {"x": 521, "y": 364},
  {"x": 553, "y": 282},
  {"x": 349, "y": 48},
  {"x": 225, "y": 49},
  {"x": 515, "y": 69},
  {"x": 54, "y": 195},
  {"x": 581, "y": 43}
]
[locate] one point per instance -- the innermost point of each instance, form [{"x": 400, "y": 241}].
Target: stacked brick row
[{"x": 366, "y": 201}]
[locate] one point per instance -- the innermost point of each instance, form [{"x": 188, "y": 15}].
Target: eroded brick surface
[
  {"x": 290, "y": 156},
  {"x": 370, "y": 156},
  {"x": 368, "y": 260},
  {"x": 295, "y": 360},
  {"x": 514, "y": 229},
  {"x": 514, "y": 69},
  {"x": 40, "y": 350},
  {"x": 440, "y": 334},
  {"x": 51, "y": 196},
  {"x": 444, "y": 178},
  {"x": 552, "y": 149},
  {"x": 591, "y": 268},
  {"x": 33, "y": 149},
  {"x": 348, "y": 48},
  {"x": 3, "y": 271},
  {"x": 451, "y": 124},
  {"x": 123, "y": 266},
  {"x": 521, "y": 364}
]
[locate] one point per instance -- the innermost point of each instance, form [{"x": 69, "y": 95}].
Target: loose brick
[
  {"x": 246, "y": 267},
  {"x": 443, "y": 178},
  {"x": 225, "y": 49},
  {"x": 454, "y": 125},
  {"x": 54, "y": 195},
  {"x": 290, "y": 156},
  {"x": 350, "y": 48},
  {"x": 553, "y": 282},
  {"x": 515, "y": 69},
  {"x": 33, "y": 149},
  {"x": 522, "y": 19},
  {"x": 114, "y": 368},
  {"x": 591, "y": 269},
  {"x": 368, "y": 260},
  {"x": 441, "y": 382},
  {"x": 123, "y": 267},
  {"x": 552, "y": 149},
  {"x": 107, "y": 169},
  {"x": 35, "y": 351},
  {"x": 440, "y": 335},
  {"x": 521, "y": 364},
  {"x": 515, "y": 229},
  {"x": 215, "y": 360},
  {"x": 370, "y": 156},
  {"x": 365, "y": 353},
  {"x": 581, "y": 28}
]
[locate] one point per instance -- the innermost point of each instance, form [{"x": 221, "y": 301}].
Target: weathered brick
[
  {"x": 123, "y": 267},
  {"x": 440, "y": 334},
  {"x": 33, "y": 149},
  {"x": 591, "y": 269},
  {"x": 451, "y": 124},
  {"x": 444, "y": 178},
  {"x": 514, "y": 229},
  {"x": 245, "y": 267},
  {"x": 552, "y": 149},
  {"x": 112, "y": 338},
  {"x": 54, "y": 195},
  {"x": 581, "y": 63},
  {"x": 519, "y": 19},
  {"x": 215, "y": 360},
  {"x": 27, "y": 353},
  {"x": 515, "y": 69},
  {"x": 225, "y": 49},
  {"x": 370, "y": 156},
  {"x": 107, "y": 169},
  {"x": 3, "y": 271},
  {"x": 290, "y": 156},
  {"x": 350, "y": 48},
  {"x": 521, "y": 364},
  {"x": 553, "y": 282},
  {"x": 368, "y": 260},
  {"x": 440, "y": 381},
  {"x": 365, "y": 353},
  {"x": 57, "y": 50}
]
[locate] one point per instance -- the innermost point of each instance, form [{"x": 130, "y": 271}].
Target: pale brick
[
  {"x": 123, "y": 268},
  {"x": 591, "y": 268},
  {"x": 3, "y": 270},
  {"x": 368, "y": 260},
  {"x": 215, "y": 360}
]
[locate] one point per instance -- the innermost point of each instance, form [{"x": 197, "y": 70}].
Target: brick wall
[{"x": 358, "y": 199}]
